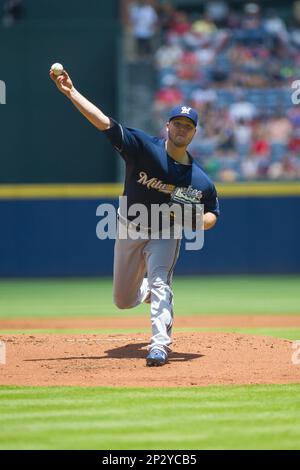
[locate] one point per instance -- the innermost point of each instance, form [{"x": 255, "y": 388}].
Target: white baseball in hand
[{"x": 57, "y": 69}]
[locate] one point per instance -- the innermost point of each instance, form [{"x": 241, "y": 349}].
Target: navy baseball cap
[{"x": 184, "y": 111}]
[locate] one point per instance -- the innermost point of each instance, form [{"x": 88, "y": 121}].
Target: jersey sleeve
[
  {"x": 211, "y": 202},
  {"x": 124, "y": 140}
]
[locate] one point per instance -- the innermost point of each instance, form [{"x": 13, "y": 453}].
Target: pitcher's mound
[{"x": 197, "y": 359}]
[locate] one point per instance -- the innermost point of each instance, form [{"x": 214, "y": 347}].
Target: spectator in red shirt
[
  {"x": 169, "y": 95},
  {"x": 294, "y": 144},
  {"x": 180, "y": 24}
]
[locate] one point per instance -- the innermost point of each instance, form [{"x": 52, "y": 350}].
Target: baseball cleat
[
  {"x": 147, "y": 299},
  {"x": 156, "y": 358}
]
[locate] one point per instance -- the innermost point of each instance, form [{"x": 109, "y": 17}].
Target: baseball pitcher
[{"x": 158, "y": 171}]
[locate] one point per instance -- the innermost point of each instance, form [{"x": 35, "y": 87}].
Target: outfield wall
[{"x": 56, "y": 236}]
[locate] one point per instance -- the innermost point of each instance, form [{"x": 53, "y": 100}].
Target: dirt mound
[{"x": 198, "y": 359}]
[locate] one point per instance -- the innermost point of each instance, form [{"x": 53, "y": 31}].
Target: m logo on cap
[{"x": 185, "y": 110}]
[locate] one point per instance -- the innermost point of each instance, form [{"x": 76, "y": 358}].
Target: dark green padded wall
[{"x": 43, "y": 138}]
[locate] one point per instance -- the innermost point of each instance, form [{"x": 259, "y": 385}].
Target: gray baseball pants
[{"x": 133, "y": 260}]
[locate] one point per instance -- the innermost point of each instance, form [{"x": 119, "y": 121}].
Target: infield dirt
[
  {"x": 197, "y": 359},
  {"x": 196, "y": 321}
]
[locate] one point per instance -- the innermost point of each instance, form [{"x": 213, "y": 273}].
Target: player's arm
[
  {"x": 88, "y": 109},
  {"x": 209, "y": 220},
  {"x": 211, "y": 208}
]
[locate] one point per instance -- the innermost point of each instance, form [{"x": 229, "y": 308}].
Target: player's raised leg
[{"x": 129, "y": 286}]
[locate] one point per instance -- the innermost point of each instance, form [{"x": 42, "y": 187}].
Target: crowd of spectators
[
  {"x": 236, "y": 67},
  {"x": 11, "y": 11}
]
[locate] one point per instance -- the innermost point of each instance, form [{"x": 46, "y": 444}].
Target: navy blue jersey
[{"x": 152, "y": 175}]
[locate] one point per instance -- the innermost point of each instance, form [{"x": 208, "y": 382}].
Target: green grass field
[
  {"x": 252, "y": 417},
  {"x": 264, "y": 417},
  {"x": 230, "y": 295}
]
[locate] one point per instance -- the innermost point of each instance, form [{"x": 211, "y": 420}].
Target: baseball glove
[{"x": 190, "y": 202}]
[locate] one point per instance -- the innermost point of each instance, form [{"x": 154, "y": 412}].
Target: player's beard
[{"x": 179, "y": 141}]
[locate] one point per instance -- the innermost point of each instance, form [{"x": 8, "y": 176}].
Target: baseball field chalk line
[{"x": 2, "y": 353}]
